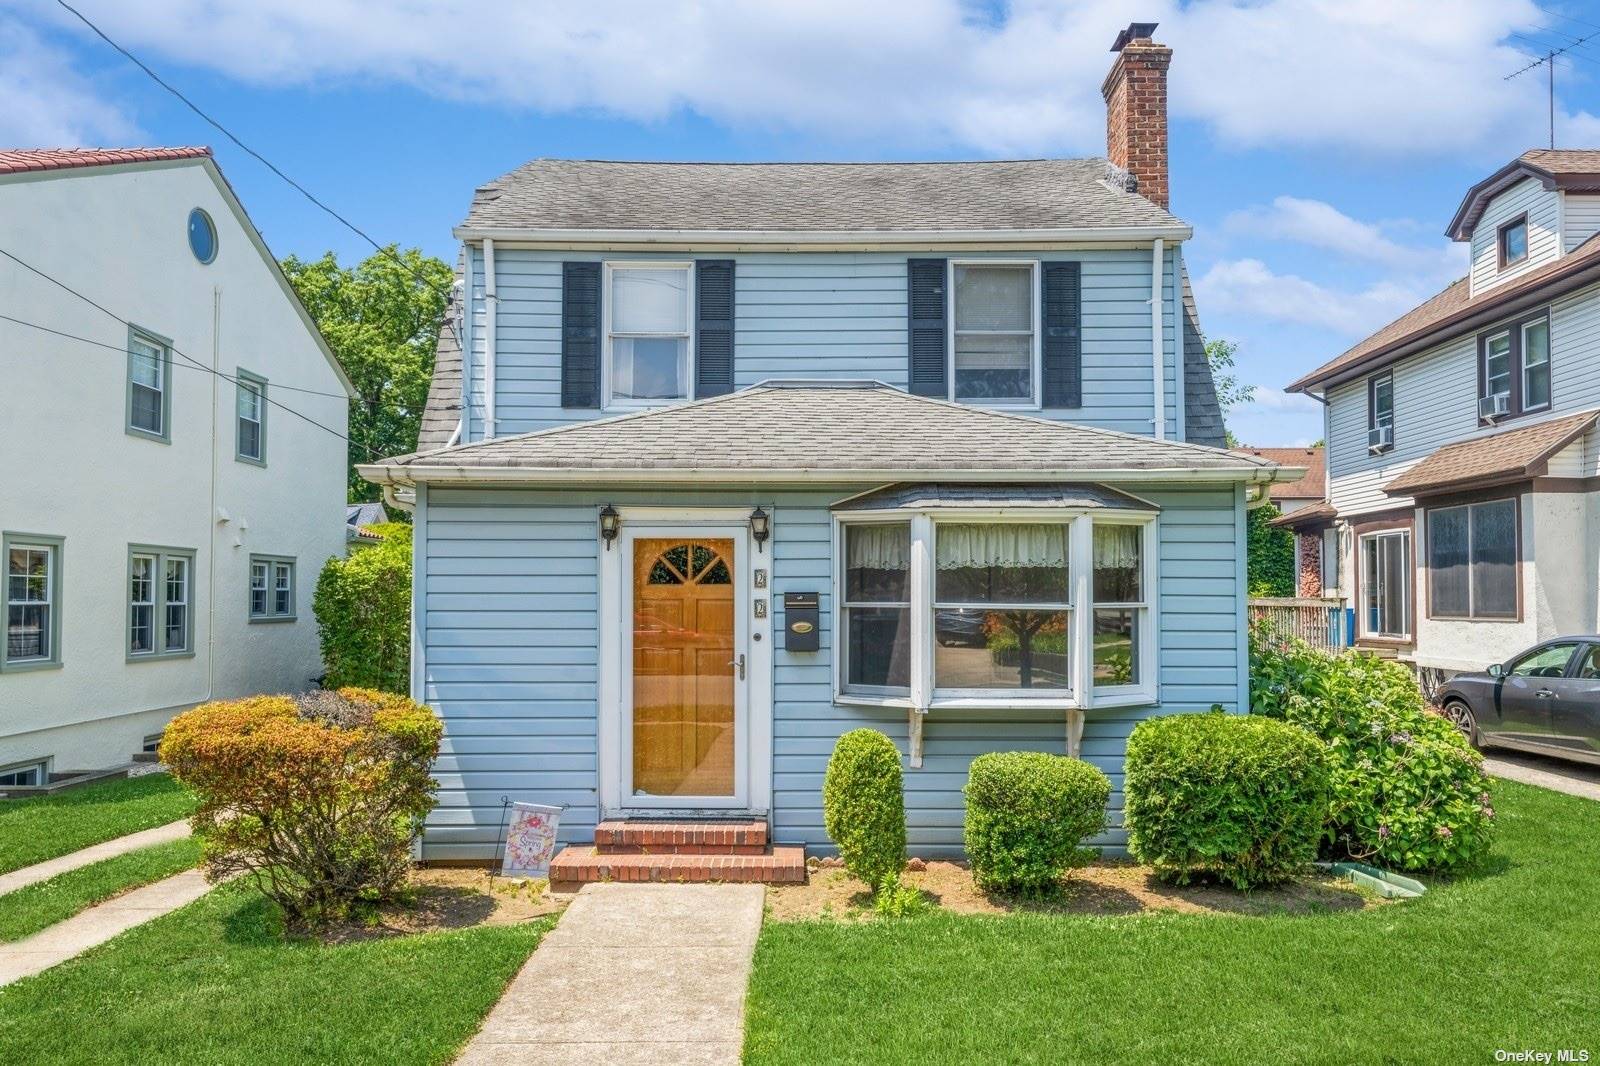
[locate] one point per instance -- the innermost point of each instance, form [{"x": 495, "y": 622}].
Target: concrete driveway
[{"x": 1575, "y": 779}]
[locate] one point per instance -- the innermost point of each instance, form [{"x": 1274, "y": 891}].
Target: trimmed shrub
[
  {"x": 1409, "y": 791},
  {"x": 363, "y": 608},
  {"x": 863, "y": 806},
  {"x": 1028, "y": 814},
  {"x": 318, "y": 796},
  {"x": 1242, "y": 799}
]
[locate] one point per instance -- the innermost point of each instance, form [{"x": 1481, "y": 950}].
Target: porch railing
[{"x": 1318, "y": 622}]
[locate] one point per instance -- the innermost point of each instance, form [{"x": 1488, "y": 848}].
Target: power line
[
  {"x": 1569, "y": 18},
  {"x": 195, "y": 363},
  {"x": 1549, "y": 62},
  {"x": 263, "y": 160}
]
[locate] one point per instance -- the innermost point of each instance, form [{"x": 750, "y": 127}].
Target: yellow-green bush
[
  {"x": 363, "y": 608},
  {"x": 1028, "y": 814},
  {"x": 863, "y": 806},
  {"x": 317, "y": 796}
]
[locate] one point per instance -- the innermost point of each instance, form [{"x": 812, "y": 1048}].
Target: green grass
[
  {"x": 33, "y": 830},
  {"x": 28, "y": 910},
  {"x": 216, "y": 983},
  {"x": 1504, "y": 958}
]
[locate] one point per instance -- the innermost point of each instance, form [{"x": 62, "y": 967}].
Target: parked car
[{"x": 1545, "y": 700}]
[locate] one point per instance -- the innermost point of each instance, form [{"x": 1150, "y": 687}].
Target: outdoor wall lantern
[
  {"x": 610, "y": 524},
  {"x": 760, "y": 527}
]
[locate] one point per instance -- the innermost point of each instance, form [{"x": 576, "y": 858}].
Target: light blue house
[{"x": 723, "y": 461}]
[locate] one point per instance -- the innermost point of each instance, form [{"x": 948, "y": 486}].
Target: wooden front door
[{"x": 685, "y": 664}]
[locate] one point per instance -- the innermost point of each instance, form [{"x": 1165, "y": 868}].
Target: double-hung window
[
  {"x": 1120, "y": 605},
  {"x": 1380, "y": 412},
  {"x": 1472, "y": 560},
  {"x": 994, "y": 343},
  {"x": 649, "y": 340},
  {"x": 1511, "y": 242},
  {"x": 272, "y": 588},
  {"x": 1535, "y": 364},
  {"x": 1386, "y": 584},
  {"x": 1514, "y": 368},
  {"x": 31, "y": 598},
  {"x": 877, "y": 606},
  {"x": 160, "y": 602},
  {"x": 149, "y": 390},
  {"x": 251, "y": 416}
]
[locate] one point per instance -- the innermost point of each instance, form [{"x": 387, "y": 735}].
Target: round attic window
[{"x": 202, "y": 236}]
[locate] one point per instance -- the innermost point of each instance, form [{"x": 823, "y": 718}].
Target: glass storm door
[{"x": 686, "y": 663}]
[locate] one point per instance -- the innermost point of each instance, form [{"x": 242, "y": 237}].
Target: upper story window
[
  {"x": 1512, "y": 240},
  {"x": 649, "y": 349},
  {"x": 149, "y": 387},
  {"x": 251, "y": 415},
  {"x": 994, "y": 343},
  {"x": 1380, "y": 412},
  {"x": 1514, "y": 368},
  {"x": 31, "y": 598},
  {"x": 202, "y": 236}
]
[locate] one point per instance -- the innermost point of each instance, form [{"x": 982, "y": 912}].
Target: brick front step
[
  {"x": 681, "y": 838},
  {"x": 579, "y": 864}
]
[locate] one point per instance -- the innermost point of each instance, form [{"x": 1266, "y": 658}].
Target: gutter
[{"x": 903, "y": 238}]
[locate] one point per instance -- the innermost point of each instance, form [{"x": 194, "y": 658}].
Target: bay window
[
  {"x": 1472, "y": 560},
  {"x": 647, "y": 333},
  {"x": 1051, "y": 609},
  {"x": 994, "y": 340}
]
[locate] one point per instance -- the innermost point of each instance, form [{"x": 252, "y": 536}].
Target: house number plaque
[
  {"x": 761, "y": 607},
  {"x": 761, "y": 579}
]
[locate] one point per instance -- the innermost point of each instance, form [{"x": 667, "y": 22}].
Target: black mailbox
[{"x": 801, "y": 627}]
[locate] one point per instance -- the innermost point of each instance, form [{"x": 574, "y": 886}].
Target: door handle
[
  {"x": 739, "y": 662},
  {"x": 1544, "y": 694}
]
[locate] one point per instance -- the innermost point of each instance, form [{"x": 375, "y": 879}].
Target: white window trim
[
  {"x": 1488, "y": 388},
  {"x": 608, "y": 268},
  {"x": 1033, "y": 403},
  {"x": 1080, "y": 693},
  {"x": 1406, "y": 584},
  {"x": 41, "y": 767},
  {"x": 1548, "y": 359}
]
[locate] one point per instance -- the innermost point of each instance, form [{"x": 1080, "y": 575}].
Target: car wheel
[{"x": 1461, "y": 716}]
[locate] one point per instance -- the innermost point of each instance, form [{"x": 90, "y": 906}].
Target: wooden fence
[{"x": 1320, "y": 623}]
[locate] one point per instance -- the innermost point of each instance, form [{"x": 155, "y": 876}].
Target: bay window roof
[{"x": 986, "y": 497}]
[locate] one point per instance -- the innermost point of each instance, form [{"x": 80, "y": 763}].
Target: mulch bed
[{"x": 452, "y": 898}]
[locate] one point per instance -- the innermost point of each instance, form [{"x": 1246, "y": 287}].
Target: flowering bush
[
  {"x": 317, "y": 796},
  {"x": 1408, "y": 790}
]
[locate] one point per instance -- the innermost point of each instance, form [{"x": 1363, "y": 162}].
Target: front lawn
[
  {"x": 32, "y": 908},
  {"x": 43, "y": 827},
  {"x": 1504, "y": 958},
  {"x": 215, "y": 982}
]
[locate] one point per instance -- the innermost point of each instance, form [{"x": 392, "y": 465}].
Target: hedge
[{"x": 363, "y": 608}]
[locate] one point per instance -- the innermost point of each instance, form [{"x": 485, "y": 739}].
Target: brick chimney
[{"x": 1136, "y": 109}]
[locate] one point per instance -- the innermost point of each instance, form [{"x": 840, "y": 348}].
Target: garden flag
[{"x": 530, "y": 841}]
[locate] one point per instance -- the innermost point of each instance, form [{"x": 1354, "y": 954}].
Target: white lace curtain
[
  {"x": 1116, "y": 547},
  {"x": 1006, "y": 544},
  {"x": 878, "y": 547}
]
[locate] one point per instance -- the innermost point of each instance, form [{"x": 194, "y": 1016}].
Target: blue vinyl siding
[
  {"x": 511, "y": 609},
  {"x": 819, "y": 315}
]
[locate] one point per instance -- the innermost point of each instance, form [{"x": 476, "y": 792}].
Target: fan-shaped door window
[{"x": 683, "y": 667}]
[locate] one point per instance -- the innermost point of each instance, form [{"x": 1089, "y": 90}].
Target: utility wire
[
  {"x": 1569, "y": 18},
  {"x": 257, "y": 156},
  {"x": 195, "y": 363}
]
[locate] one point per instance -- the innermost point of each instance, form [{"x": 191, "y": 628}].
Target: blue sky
[{"x": 1318, "y": 146}]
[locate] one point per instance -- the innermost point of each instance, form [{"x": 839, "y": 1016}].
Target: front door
[{"x": 685, "y": 664}]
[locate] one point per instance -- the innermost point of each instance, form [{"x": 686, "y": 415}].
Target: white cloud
[
  {"x": 1247, "y": 286},
  {"x": 44, "y": 103},
  {"x": 1371, "y": 76},
  {"x": 1321, "y": 225}
]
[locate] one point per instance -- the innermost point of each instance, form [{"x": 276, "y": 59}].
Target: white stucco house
[{"x": 175, "y": 477}]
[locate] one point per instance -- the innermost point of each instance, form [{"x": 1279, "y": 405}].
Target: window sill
[
  {"x": 250, "y": 462},
  {"x": 272, "y": 619},
  {"x": 157, "y": 656},
  {"x": 29, "y": 664},
  {"x": 853, "y": 699},
  {"x": 634, "y": 408},
  {"x": 1140, "y": 698},
  {"x": 145, "y": 434}
]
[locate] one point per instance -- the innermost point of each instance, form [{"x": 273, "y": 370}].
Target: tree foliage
[
  {"x": 363, "y": 608},
  {"x": 1269, "y": 563},
  {"x": 381, "y": 318}
]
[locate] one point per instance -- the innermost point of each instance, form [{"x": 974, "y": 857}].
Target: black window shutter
[
  {"x": 925, "y": 332},
  {"x": 580, "y": 334},
  {"x": 1063, "y": 335},
  {"x": 713, "y": 328}
]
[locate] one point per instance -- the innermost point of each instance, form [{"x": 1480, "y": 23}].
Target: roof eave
[
  {"x": 1176, "y": 231},
  {"x": 1465, "y": 220}
]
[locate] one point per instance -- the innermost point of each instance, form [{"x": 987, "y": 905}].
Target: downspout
[
  {"x": 1157, "y": 345},
  {"x": 491, "y": 302}
]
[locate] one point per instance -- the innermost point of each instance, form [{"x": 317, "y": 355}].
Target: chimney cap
[{"x": 1135, "y": 31}]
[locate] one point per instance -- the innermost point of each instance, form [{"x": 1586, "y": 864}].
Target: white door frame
[{"x": 752, "y": 638}]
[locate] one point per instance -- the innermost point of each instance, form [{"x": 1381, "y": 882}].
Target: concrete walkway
[
  {"x": 1575, "y": 779},
  {"x": 43, "y": 871},
  {"x": 633, "y": 973},
  {"x": 99, "y": 923}
]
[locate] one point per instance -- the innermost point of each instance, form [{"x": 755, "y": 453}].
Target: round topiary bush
[
  {"x": 1028, "y": 814},
  {"x": 317, "y": 796},
  {"x": 863, "y": 806},
  {"x": 1236, "y": 797}
]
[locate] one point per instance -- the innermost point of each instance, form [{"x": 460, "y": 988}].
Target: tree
[
  {"x": 1231, "y": 392},
  {"x": 1269, "y": 558},
  {"x": 381, "y": 318}
]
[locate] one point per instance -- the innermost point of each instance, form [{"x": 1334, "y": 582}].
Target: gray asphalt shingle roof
[
  {"x": 822, "y": 428},
  {"x": 984, "y": 496},
  {"x": 442, "y": 412},
  {"x": 1025, "y": 194}
]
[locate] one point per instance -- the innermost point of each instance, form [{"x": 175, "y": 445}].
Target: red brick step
[
  {"x": 681, "y": 838},
  {"x": 579, "y": 864}
]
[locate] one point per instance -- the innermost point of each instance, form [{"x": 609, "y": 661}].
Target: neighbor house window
[
  {"x": 32, "y": 601},
  {"x": 1513, "y": 242},
  {"x": 1514, "y": 368},
  {"x": 1380, "y": 412},
  {"x": 1386, "y": 583},
  {"x": 149, "y": 390},
  {"x": 1535, "y": 364},
  {"x": 160, "y": 601},
  {"x": 1002, "y": 614},
  {"x": 251, "y": 415},
  {"x": 1472, "y": 560},
  {"x": 271, "y": 589},
  {"x": 648, "y": 335},
  {"x": 994, "y": 342},
  {"x": 25, "y": 775}
]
